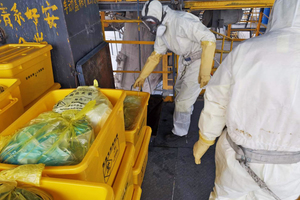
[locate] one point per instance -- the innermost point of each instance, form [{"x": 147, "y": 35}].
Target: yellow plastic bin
[
  {"x": 56, "y": 86},
  {"x": 133, "y": 135},
  {"x": 102, "y": 161},
  {"x": 31, "y": 63},
  {"x": 11, "y": 106},
  {"x": 63, "y": 189},
  {"x": 137, "y": 193},
  {"x": 123, "y": 185},
  {"x": 139, "y": 167},
  {"x": 139, "y": 143}
]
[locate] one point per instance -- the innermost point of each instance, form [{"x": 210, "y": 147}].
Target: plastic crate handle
[{"x": 13, "y": 101}]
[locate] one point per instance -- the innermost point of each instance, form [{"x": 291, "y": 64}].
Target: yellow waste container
[
  {"x": 31, "y": 63},
  {"x": 123, "y": 185},
  {"x": 137, "y": 193},
  {"x": 133, "y": 135},
  {"x": 11, "y": 106},
  {"x": 103, "y": 159},
  {"x": 64, "y": 189},
  {"x": 139, "y": 167}
]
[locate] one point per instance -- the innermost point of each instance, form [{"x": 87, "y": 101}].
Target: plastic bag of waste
[
  {"x": 55, "y": 139},
  {"x": 31, "y": 174},
  {"x": 80, "y": 97},
  {"x": 132, "y": 110}
]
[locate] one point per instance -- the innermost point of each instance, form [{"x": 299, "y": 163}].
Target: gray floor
[{"x": 171, "y": 173}]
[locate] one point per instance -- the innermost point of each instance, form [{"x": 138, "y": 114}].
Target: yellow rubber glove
[
  {"x": 207, "y": 57},
  {"x": 200, "y": 147},
  {"x": 149, "y": 66}
]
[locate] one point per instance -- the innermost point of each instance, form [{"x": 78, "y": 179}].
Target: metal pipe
[
  {"x": 130, "y": 42},
  {"x": 248, "y": 18},
  {"x": 221, "y": 57},
  {"x": 122, "y": 21},
  {"x": 154, "y": 72},
  {"x": 220, "y": 5},
  {"x": 102, "y": 24},
  {"x": 173, "y": 74},
  {"x": 139, "y": 37},
  {"x": 259, "y": 22}
]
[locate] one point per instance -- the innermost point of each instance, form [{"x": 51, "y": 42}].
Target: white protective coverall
[
  {"x": 183, "y": 36},
  {"x": 256, "y": 94}
]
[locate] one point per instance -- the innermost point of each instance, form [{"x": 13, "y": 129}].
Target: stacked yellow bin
[
  {"x": 109, "y": 160},
  {"x": 11, "y": 106},
  {"x": 114, "y": 166},
  {"x": 139, "y": 136},
  {"x": 31, "y": 64}
]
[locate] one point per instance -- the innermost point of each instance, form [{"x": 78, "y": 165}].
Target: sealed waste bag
[
  {"x": 10, "y": 180},
  {"x": 132, "y": 110},
  {"x": 80, "y": 97},
  {"x": 10, "y": 191},
  {"x": 55, "y": 139}
]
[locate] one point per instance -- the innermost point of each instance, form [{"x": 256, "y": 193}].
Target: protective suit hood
[
  {"x": 285, "y": 14},
  {"x": 154, "y": 9}
]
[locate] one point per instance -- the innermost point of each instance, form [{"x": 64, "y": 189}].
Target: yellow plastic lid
[{"x": 13, "y": 55}]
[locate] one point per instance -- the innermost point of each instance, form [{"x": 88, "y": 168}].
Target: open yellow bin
[
  {"x": 139, "y": 143},
  {"x": 133, "y": 135},
  {"x": 31, "y": 63},
  {"x": 56, "y": 86},
  {"x": 103, "y": 159},
  {"x": 140, "y": 165},
  {"x": 137, "y": 193},
  {"x": 63, "y": 189},
  {"x": 123, "y": 185},
  {"x": 11, "y": 106}
]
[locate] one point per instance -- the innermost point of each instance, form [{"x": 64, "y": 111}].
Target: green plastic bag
[
  {"x": 132, "y": 110},
  {"x": 52, "y": 138}
]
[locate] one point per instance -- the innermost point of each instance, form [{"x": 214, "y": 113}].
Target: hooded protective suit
[
  {"x": 183, "y": 34},
  {"x": 256, "y": 94}
]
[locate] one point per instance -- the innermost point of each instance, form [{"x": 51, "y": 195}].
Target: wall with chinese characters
[{"x": 72, "y": 27}]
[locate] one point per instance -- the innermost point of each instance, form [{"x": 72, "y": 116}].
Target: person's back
[
  {"x": 264, "y": 111},
  {"x": 255, "y": 93}
]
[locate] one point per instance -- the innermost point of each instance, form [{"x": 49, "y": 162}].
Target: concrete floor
[{"x": 171, "y": 173}]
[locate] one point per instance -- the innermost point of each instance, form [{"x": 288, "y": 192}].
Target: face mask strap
[{"x": 147, "y": 8}]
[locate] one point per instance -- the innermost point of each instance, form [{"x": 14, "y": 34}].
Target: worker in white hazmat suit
[
  {"x": 256, "y": 94},
  {"x": 186, "y": 36}
]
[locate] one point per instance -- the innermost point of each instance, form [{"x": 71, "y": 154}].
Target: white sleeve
[
  {"x": 159, "y": 46},
  {"x": 196, "y": 31},
  {"x": 213, "y": 116}
]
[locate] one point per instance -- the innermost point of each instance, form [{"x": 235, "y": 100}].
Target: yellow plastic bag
[
  {"x": 79, "y": 98},
  {"x": 30, "y": 174}
]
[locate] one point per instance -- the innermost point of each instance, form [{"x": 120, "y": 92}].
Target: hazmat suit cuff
[{"x": 203, "y": 140}]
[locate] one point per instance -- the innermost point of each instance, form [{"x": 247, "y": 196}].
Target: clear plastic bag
[
  {"x": 80, "y": 97},
  {"x": 132, "y": 109},
  {"x": 52, "y": 138}
]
